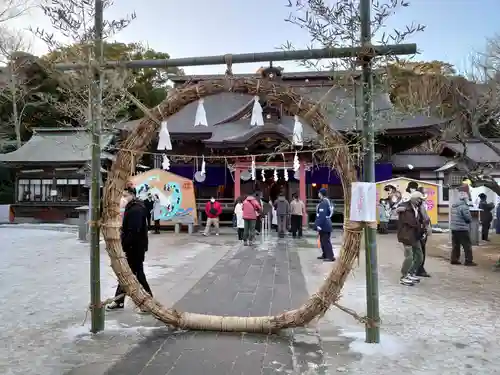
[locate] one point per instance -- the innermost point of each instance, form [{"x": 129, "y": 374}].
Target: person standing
[
  {"x": 383, "y": 216},
  {"x": 238, "y": 213},
  {"x": 411, "y": 228},
  {"x": 298, "y": 211},
  {"x": 258, "y": 222},
  {"x": 323, "y": 223},
  {"x": 497, "y": 223},
  {"x": 251, "y": 212},
  {"x": 460, "y": 230},
  {"x": 282, "y": 212},
  {"x": 156, "y": 213},
  {"x": 486, "y": 216},
  {"x": 213, "y": 209},
  {"x": 149, "y": 204},
  {"x": 421, "y": 272},
  {"x": 134, "y": 239}
]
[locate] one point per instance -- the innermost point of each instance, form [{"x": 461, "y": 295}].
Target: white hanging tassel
[
  {"x": 285, "y": 175},
  {"x": 201, "y": 114},
  {"x": 298, "y": 138},
  {"x": 164, "y": 142},
  {"x": 257, "y": 118},
  {"x": 275, "y": 175},
  {"x": 165, "y": 163},
  {"x": 263, "y": 175},
  {"x": 296, "y": 163},
  {"x": 203, "y": 170},
  {"x": 253, "y": 168}
]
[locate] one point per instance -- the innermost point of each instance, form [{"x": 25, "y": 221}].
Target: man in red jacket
[{"x": 213, "y": 209}]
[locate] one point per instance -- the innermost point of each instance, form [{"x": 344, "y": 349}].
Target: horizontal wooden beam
[{"x": 241, "y": 58}]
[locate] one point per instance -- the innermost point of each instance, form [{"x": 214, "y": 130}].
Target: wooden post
[{"x": 237, "y": 183}]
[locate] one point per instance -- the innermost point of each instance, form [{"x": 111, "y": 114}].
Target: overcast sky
[{"x": 455, "y": 28}]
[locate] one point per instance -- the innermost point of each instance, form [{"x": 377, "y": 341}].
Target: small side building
[{"x": 52, "y": 174}]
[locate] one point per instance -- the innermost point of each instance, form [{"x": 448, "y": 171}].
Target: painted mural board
[
  {"x": 394, "y": 191},
  {"x": 176, "y": 194}
]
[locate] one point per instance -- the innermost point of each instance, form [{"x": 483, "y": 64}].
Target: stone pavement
[{"x": 264, "y": 279}]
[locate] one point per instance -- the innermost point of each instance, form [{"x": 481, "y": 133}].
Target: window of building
[{"x": 40, "y": 190}]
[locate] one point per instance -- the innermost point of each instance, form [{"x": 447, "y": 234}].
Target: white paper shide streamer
[
  {"x": 263, "y": 175},
  {"x": 296, "y": 163},
  {"x": 298, "y": 132},
  {"x": 164, "y": 142},
  {"x": 165, "y": 163},
  {"x": 203, "y": 170},
  {"x": 285, "y": 175},
  {"x": 276, "y": 175},
  {"x": 252, "y": 171},
  {"x": 201, "y": 114},
  {"x": 257, "y": 119}
]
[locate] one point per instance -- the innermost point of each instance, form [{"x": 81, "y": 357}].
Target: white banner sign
[{"x": 364, "y": 202}]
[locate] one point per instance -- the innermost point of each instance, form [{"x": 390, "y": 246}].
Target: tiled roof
[
  {"x": 477, "y": 151},
  {"x": 63, "y": 146}
]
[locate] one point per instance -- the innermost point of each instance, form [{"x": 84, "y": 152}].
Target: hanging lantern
[
  {"x": 257, "y": 119},
  {"x": 252, "y": 171},
  {"x": 201, "y": 114},
  {"x": 165, "y": 163},
  {"x": 296, "y": 163},
  {"x": 298, "y": 139},
  {"x": 263, "y": 175},
  {"x": 164, "y": 142}
]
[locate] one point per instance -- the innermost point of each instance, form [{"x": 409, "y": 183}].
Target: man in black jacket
[{"x": 134, "y": 238}]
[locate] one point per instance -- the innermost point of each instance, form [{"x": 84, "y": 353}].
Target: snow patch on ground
[
  {"x": 444, "y": 325},
  {"x": 389, "y": 346},
  {"x": 113, "y": 327},
  {"x": 44, "y": 284}
]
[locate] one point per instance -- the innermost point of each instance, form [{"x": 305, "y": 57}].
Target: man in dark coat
[
  {"x": 323, "y": 224},
  {"x": 411, "y": 228},
  {"x": 134, "y": 239},
  {"x": 149, "y": 204},
  {"x": 486, "y": 216}
]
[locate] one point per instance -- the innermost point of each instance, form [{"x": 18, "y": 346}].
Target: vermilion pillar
[
  {"x": 302, "y": 189},
  {"x": 237, "y": 183}
]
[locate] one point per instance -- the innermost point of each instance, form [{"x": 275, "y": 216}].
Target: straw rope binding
[{"x": 139, "y": 140}]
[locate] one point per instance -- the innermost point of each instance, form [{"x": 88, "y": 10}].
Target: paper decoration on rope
[
  {"x": 276, "y": 175},
  {"x": 263, "y": 175},
  {"x": 203, "y": 170},
  {"x": 165, "y": 163},
  {"x": 257, "y": 118},
  {"x": 296, "y": 163},
  {"x": 285, "y": 175},
  {"x": 252, "y": 171},
  {"x": 201, "y": 114},
  {"x": 298, "y": 130},
  {"x": 199, "y": 177},
  {"x": 246, "y": 175},
  {"x": 364, "y": 202},
  {"x": 164, "y": 142}
]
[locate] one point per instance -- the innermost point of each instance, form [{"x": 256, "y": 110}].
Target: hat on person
[
  {"x": 416, "y": 195},
  {"x": 322, "y": 191}
]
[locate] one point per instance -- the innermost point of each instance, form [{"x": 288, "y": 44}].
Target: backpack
[{"x": 213, "y": 210}]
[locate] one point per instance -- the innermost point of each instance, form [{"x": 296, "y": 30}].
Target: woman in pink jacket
[{"x": 251, "y": 211}]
